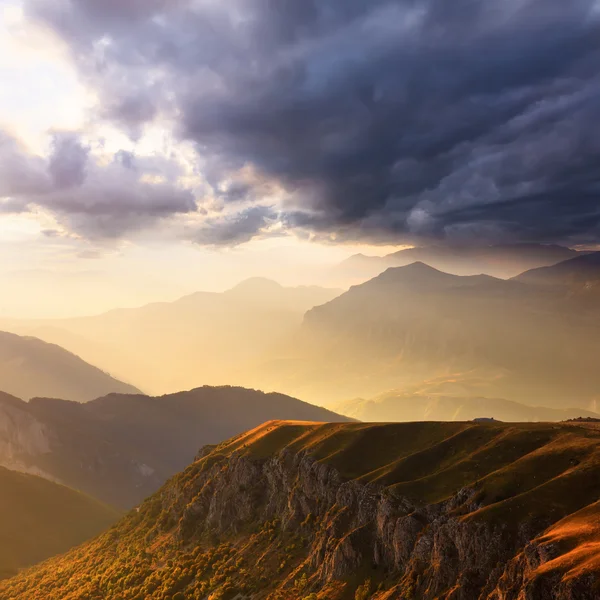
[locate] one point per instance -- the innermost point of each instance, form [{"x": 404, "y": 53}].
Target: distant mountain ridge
[
  {"x": 121, "y": 448},
  {"x": 582, "y": 269},
  {"x": 403, "y": 406},
  {"x": 204, "y": 338},
  {"x": 503, "y": 261},
  {"x": 39, "y": 519},
  {"x": 30, "y": 367},
  {"x": 533, "y": 344}
]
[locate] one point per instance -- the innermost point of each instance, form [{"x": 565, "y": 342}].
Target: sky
[{"x": 152, "y": 148}]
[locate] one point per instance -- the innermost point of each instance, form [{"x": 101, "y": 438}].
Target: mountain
[
  {"x": 39, "y": 519},
  {"x": 524, "y": 342},
  {"x": 503, "y": 261},
  {"x": 201, "y": 339},
  {"x": 301, "y": 511},
  {"x": 582, "y": 270},
  {"x": 402, "y": 406},
  {"x": 121, "y": 448},
  {"x": 30, "y": 367}
]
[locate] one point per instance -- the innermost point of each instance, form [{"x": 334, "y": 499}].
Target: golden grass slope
[{"x": 544, "y": 475}]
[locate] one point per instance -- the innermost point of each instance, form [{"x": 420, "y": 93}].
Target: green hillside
[
  {"x": 39, "y": 518},
  {"x": 309, "y": 511}
]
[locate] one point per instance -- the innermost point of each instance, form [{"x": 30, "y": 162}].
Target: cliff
[{"x": 457, "y": 511}]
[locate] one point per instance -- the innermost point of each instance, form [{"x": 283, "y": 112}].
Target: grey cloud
[
  {"x": 382, "y": 120},
  {"x": 237, "y": 228},
  {"x": 13, "y": 206},
  {"x": 68, "y": 160},
  {"x": 20, "y": 173},
  {"x": 92, "y": 200}
]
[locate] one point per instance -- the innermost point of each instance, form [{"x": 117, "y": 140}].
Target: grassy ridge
[
  {"x": 517, "y": 468},
  {"x": 544, "y": 475}
]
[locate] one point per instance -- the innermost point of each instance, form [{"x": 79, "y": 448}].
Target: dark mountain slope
[
  {"x": 30, "y": 367},
  {"x": 528, "y": 343},
  {"x": 293, "y": 511},
  {"x": 582, "y": 269},
  {"x": 39, "y": 518},
  {"x": 121, "y": 448}
]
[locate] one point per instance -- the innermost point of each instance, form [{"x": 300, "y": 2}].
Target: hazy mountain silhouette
[
  {"x": 501, "y": 261},
  {"x": 581, "y": 270},
  {"x": 302, "y": 510},
  {"x": 30, "y": 367},
  {"x": 203, "y": 338},
  {"x": 120, "y": 448},
  {"x": 525, "y": 342},
  {"x": 402, "y": 406},
  {"x": 40, "y": 518}
]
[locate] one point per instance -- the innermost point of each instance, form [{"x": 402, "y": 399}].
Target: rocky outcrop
[
  {"x": 294, "y": 510},
  {"x": 425, "y": 552},
  {"x": 22, "y": 437}
]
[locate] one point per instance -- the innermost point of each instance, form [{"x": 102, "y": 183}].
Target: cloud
[
  {"x": 68, "y": 161},
  {"x": 379, "y": 120},
  {"x": 236, "y": 228},
  {"x": 93, "y": 200},
  {"x": 20, "y": 173}
]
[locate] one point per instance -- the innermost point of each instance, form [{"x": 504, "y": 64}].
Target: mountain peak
[
  {"x": 581, "y": 268},
  {"x": 256, "y": 284},
  {"x": 415, "y": 272}
]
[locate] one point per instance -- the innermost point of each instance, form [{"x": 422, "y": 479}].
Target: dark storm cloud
[
  {"x": 237, "y": 228},
  {"x": 382, "y": 120},
  {"x": 92, "y": 200}
]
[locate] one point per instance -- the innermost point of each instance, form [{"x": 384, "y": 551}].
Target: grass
[
  {"x": 39, "y": 518},
  {"x": 544, "y": 475},
  {"x": 516, "y": 469}
]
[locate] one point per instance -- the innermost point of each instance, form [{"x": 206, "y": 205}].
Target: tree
[{"x": 363, "y": 591}]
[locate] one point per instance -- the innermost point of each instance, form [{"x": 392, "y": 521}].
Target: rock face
[
  {"x": 21, "y": 435},
  {"x": 297, "y": 511},
  {"x": 429, "y": 550}
]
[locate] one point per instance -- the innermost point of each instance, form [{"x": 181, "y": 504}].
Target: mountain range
[
  {"x": 514, "y": 339},
  {"x": 479, "y": 335},
  {"x": 201, "y": 339},
  {"x": 503, "y": 261},
  {"x": 40, "y": 518},
  {"x": 405, "y": 405},
  {"x": 121, "y": 448},
  {"x": 308, "y": 511}
]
